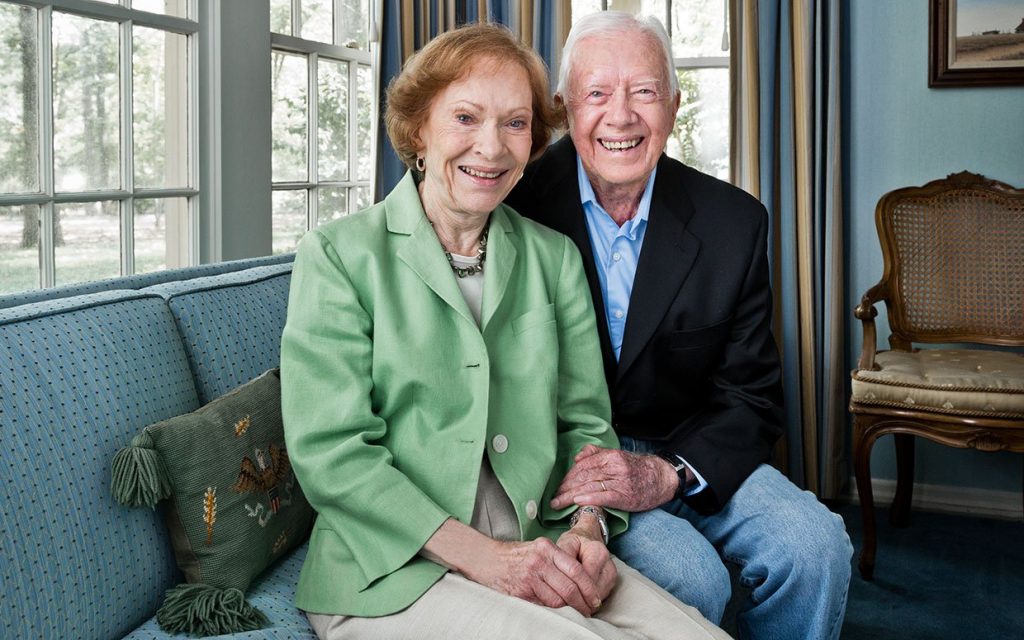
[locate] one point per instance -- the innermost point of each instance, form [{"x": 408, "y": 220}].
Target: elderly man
[{"x": 677, "y": 266}]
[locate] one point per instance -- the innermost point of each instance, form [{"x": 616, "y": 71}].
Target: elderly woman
[{"x": 440, "y": 371}]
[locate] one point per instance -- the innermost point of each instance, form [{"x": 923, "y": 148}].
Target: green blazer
[{"x": 391, "y": 393}]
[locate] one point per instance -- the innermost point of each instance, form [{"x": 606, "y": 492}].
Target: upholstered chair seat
[{"x": 956, "y": 382}]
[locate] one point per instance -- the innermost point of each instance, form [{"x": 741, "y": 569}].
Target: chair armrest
[{"x": 866, "y": 312}]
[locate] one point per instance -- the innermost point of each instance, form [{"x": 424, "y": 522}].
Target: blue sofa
[{"x": 82, "y": 370}]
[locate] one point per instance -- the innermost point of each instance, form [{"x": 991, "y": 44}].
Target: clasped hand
[{"x": 576, "y": 572}]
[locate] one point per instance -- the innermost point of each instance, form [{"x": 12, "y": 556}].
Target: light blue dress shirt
[{"x": 616, "y": 254}]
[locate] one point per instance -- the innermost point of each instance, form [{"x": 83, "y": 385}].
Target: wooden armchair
[{"x": 954, "y": 273}]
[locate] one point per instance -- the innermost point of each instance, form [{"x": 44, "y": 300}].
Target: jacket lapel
[
  {"x": 421, "y": 251},
  {"x": 501, "y": 260},
  {"x": 668, "y": 254}
]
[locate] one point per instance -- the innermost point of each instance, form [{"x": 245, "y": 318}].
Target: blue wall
[{"x": 898, "y": 132}]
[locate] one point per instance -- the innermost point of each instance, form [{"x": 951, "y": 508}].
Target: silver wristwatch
[{"x": 598, "y": 513}]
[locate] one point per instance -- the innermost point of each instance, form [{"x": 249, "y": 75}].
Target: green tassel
[
  {"x": 200, "y": 609},
  {"x": 138, "y": 474}
]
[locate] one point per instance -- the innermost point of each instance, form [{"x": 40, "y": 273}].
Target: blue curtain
[{"x": 787, "y": 62}]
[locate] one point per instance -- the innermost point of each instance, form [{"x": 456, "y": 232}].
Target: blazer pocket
[
  {"x": 699, "y": 338},
  {"x": 694, "y": 353},
  {"x": 534, "y": 318}
]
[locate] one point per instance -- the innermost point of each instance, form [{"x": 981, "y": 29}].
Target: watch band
[
  {"x": 677, "y": 463},
  {"x": 596, "y": 512}
]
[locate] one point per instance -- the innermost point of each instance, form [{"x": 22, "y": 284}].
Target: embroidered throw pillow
[{"x": 233, "y": 505}]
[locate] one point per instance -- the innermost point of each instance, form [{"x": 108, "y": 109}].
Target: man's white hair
[{"x": 623, "y": 25}]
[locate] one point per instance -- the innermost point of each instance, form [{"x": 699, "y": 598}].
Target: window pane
[
  {"x": 332, "y": 204},
  {"x": 581, "y": 8},
  {"x": 354, "y": 23},
  {"x": 698, "y": 28},
  {"x": 363, "y": 198},
  {"x": 365, "y": 122},
  {"x": 290, "y": 116},
  {"x": 160, "y": 125},
  {"x": 289, "y": 219},
  {"x": 318, "y": 20},
  {"x": 19, "y": 142},
  {"x": 86, "y": 104},
  {"x": 332, "y": 127},
  {"x": 87, "y": 239},
  {"x": 161, "y": 226},
  {"x": 169, "y": 7},
  {"x": 19, "y": 248},
  {"x": 701, "y": 135},
  {"x": 281, "y": 16}
]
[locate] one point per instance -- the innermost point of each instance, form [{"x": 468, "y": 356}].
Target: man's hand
[{"x": 617, "y": 479}]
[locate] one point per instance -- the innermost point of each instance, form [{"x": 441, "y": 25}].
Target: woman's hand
[
  {"x": 543, "y": 573},
  {"x": 537, "y": 571},
  {"x": 589, "y": 549}
]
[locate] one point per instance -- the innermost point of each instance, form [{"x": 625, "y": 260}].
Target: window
[
  {"x": 323, "y": 79},
  {"x": 97, "y": 140},
  {"x": 700, "y": 41}
]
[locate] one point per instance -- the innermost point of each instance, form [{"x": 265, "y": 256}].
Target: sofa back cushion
[
  {"x": 78, "y": 378},
  {"x": 231, "y": 324},
  {"x": 138, "y": 281}
]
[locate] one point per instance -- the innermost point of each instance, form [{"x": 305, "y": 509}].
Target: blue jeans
[{"x": 794, "y": 555}]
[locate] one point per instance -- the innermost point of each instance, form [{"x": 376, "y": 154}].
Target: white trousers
[{"x": 456, "y": 608}]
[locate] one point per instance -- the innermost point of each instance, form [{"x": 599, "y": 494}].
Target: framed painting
[{"x": 976, "y": 43}]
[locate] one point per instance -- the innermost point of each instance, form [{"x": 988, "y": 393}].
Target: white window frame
[
  {"x": 355, "y": 58},
  {"x": 47, "y": 197}
]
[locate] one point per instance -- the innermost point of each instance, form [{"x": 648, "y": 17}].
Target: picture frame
[{"x": 975, "y": 43}]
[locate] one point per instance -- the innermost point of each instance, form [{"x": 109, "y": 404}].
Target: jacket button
[
  {"x": 531, "y": 509},
  {"x": 499, "y": 443}
]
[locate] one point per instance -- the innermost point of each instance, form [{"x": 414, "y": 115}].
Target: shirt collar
[{"x": 589, "y": 199}]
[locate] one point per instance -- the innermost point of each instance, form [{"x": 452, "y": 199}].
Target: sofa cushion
[
  {"x": 139, "y": 281},
  {"x": 273, "y": 593},
  {"x": 231, "y": 324},
  {"x": 235, "y": 505},
  {"x": 78, "y": 378}
]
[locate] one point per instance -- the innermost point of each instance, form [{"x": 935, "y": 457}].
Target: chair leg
[
  {"x": 862, "y": 469},
  {"x": 899, "y": 513}
]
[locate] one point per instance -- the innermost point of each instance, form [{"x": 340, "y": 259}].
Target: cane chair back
[{"x": 954, "y": 252}]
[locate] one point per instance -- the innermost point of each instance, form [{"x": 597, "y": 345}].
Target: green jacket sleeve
[
  {"x": 584, "y": 409},
  {"x": 332, "y": 434}
]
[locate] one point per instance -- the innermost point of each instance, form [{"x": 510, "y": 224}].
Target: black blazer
[{"x": 699, "y": 369}]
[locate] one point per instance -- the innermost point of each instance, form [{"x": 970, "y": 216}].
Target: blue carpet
[{"x": 942, "y": 577}]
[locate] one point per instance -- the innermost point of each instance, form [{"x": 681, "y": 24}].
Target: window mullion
[
  {"x": 44, "y": 82},
  {"x": 373, "y": 133},
  {"x": 296, "y": 18},
  {"x": 702, "y": 62},
  {"x": 192, "y": 146},
  {"x": 336, "y": 23},
  {"x": 313, "y": 153},
  {"x": 127, "y": 206},
  {"x": 353, "y": 133}
]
